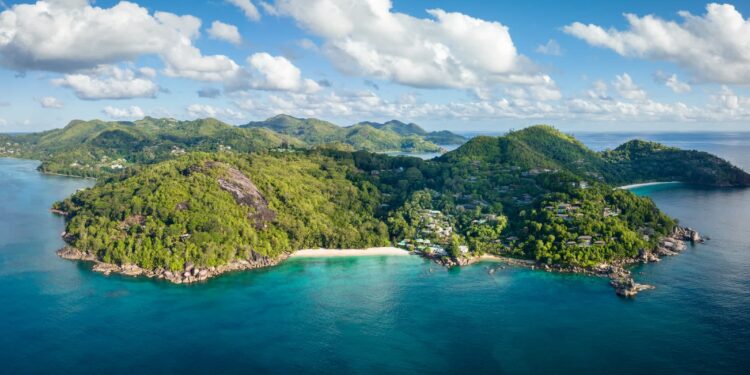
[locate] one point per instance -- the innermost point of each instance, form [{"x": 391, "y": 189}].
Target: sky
[{"x": 458, "y": 65}]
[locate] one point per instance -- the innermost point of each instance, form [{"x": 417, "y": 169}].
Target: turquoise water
[{"x": 372, "y": 315}]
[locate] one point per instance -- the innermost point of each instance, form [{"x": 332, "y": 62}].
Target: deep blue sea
[{"x": 380, "y": 315}]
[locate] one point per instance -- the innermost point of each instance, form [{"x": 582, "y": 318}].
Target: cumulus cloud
[
  {"x": 50, "y": 102},
  {"x": 226, "y": 32},
  {"x": 672, "y": 82},
  {"x": 247, "y": 7},
  {"x": 70, "y": 36},
  {"x": 205, "y": 110},
  {"x": 130, "y": 113},
  {"x": 108, "y": 82},
  {"x": 625, "y": 86},
  {"x": 599, "y": 90},
  {"x": 630, "y": 103},
  {"x": 714, "y": 47},
  {"x": 277, "y": 73},
  {"x": 448, "y": 49},
  {"x": 550, "y": 48},
  {"x": 727, "y": 101}
]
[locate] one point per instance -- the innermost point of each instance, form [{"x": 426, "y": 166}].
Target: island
[{"x": 535, "y": 197}]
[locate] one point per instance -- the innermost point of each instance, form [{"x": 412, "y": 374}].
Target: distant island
[
  {"x": 100, "y": 148},
  {"x": 535, "y": 197}
]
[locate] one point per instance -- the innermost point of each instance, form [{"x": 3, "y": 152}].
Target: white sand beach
[
  {"x": 633, "y": 186},
  {"x": 308, "y": 253}
]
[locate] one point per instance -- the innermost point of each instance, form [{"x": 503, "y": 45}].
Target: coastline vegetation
[{"x": 534, "y": 194}]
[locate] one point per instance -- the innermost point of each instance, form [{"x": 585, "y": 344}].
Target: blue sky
[{"x": 459, "y": 65}]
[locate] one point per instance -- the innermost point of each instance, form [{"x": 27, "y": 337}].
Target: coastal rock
[
  {"x": 105, "y": 268},
  {"x": 687, "y": 234},
  {"x": 130, "y": 270},
  {"x": 195, "y": 274},
  {"x": 71, "y": 253}
]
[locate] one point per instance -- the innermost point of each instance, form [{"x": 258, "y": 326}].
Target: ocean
[{"x": 385, "y": 315}]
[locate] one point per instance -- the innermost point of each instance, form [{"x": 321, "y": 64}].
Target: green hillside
[
  {"x": 211, "y": 209},
  {"x": 544, "y": 147},
  {"x": 94, "y": 148},
  {"x": 369, "y": 136}
]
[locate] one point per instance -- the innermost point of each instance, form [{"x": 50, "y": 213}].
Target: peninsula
[{"x": 537, "y": 196}]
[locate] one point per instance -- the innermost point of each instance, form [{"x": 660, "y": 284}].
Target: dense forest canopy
[{"x": 210, "y": 209}]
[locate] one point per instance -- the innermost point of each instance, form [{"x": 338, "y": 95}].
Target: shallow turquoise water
[{"x": 371, "y": 315}]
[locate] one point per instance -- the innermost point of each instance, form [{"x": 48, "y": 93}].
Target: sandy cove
[
  {"x": 372, "y": 251},
  {"x": 644, "y": 184}
]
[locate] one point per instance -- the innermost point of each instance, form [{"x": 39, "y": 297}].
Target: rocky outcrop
[
  {"x": 671, "y": 245},
  {"x": 58, "y": 212},
  {"x": 72, "y": 253},
  {"x": 189, "y": 274},
  {"x": 247, "y": 194},
  {"x": 687, "y": 234},
  {"x": 621, "y": 279}
]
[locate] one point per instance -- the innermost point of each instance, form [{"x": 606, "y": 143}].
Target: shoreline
[
  {"x": 192, "y": 274},
  {"x": 644, "y": 184},
  {"x": 48, "y": 173},
  {"x": 621, "y": 278},
  {"x": 333, "y": 253}
]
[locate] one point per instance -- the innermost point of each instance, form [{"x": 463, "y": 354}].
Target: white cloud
[
  {"x": 726, "y": 101},
  {"x": 550, "y": 48},
  {"x": 108, "y": 82},
  {"x": 130, "y": 113},
  {"x": 147, "y": 72},
  {"x": 278, "y": 73},
  {"x": 625, "y": 86},
  {"x": 205, "y": 110},
  {"x": 247, "y": 7},
  {"x": 50, "y": 102},
  {"x": 599, "y": 90},
  {"x": 714, "y": 47},
  {"x": 226, "y": 32},
  {"x": 630, "y": 104},
  {"x": 70, "y": 36},
  {"x": 672, "y": 82},
  {"x": 447, "y": 50},
  {"x": 307, "y": 44}
]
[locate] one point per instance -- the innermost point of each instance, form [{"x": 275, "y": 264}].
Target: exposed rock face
[
  {"x": 247, "y": 194},
  {"x": 622, "y": 281},
  {"x": 687, "y": 234},
  {"x": 190, "y": 273},
  {"x": 671, "y": 245},
  {"x": 72, "y": 253},
  {"x": 133, "y": 220}
]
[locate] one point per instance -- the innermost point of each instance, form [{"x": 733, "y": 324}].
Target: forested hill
[
  {"x": 211, "y": 209},
  {"x": 95, "y": 148},
  {"x": 99, "y": 148},
  {"x": 639, "y": 161},
  {"x": 369, "y": 136},
  {"x": 635, "y": 161}
]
